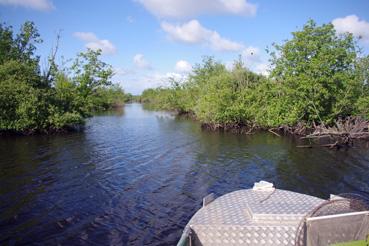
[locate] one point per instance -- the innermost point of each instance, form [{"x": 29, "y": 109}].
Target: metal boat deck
[{"x": 250, "y": 217}]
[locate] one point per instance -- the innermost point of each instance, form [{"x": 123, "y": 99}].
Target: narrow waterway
[{"x": 135, "y": 177}]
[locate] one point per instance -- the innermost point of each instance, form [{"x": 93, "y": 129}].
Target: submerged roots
[{"x": 341, "y": 134}]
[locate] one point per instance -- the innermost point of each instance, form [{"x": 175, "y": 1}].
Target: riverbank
[
  {"x": 316, "y": 87},
  {"x": 341, "y": 133},
  {"x": 344, "y": 133},
  {"x": 49, "y": 131}
]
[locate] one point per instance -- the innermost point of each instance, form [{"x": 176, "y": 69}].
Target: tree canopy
[{"x": 32, "y": 101}]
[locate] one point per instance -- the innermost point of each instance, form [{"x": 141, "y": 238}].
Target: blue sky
[{"x": 147, "y": 41}]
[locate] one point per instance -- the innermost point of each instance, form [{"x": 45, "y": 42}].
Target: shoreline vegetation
[
  {"x": 57, "y": 98},
  {"x": 317, "y": 89}
]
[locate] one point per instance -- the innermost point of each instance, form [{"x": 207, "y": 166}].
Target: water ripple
[{"x": 136, "y": 177}]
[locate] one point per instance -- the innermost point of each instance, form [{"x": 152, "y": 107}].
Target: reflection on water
[{"x": 136, "y": 177}]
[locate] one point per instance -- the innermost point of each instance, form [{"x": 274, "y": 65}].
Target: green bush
[
  {"x": 317, "y": 77},
  {"x": 31, "y": 101}
]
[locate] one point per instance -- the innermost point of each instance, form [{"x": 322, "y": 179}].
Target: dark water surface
[{"x": 135, "y": 177}]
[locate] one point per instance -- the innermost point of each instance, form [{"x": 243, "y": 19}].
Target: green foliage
[
  {"x": 362, "y": 76},
  {"x": 316, "y": 68},
  {"x": 33, "y": 102},
  {"x": 216, "y": 94},
  {"x": 108, "y": 97},
  {"x": 317, "y": 77},
  {"x": 90, "y": 73},
  {"x": 158, "y": 98}
]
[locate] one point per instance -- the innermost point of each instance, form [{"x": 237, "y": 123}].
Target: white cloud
[
  {"x": 229, "y": 65},
  {"x": 263, "y": 68},
  {"x": 223, "y": 44},
  {"x": 140, "y": 62},
  {"x": 191, "y": 8},
  {"x": 253, "y": 60},
  {"x": 42, "y": 5},
  {"x": 137, "y": 82},
  {"x": 190, "y": 32},
  {"x": 179, "y": 77},
  {"x": 352, "y": 24},
  {"x": 134, "y": 81},
  {"x": 259, "y": 67},
  {"x": 193, "y": 32},
  {"x": 119, "y": 71},
  {"x": 183, "y": 66},
  {"x": 92, "y": 42}
]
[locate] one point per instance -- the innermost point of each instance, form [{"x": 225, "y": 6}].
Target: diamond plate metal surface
[
  {"x": 249, "y": 217},
  {"x": 243, "y": 235}
]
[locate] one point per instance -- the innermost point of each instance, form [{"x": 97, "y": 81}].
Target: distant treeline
[
  {"x": 317, "y": 77},
  {"x": 56, "y": 98}
]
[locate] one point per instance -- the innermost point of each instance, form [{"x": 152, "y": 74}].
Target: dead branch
[
  {"x": 342, "y": 133},
  {"x": 304, "y": 146},
  {"x": 271, "y": 131},
  {"x": 51, "y": 59}
]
